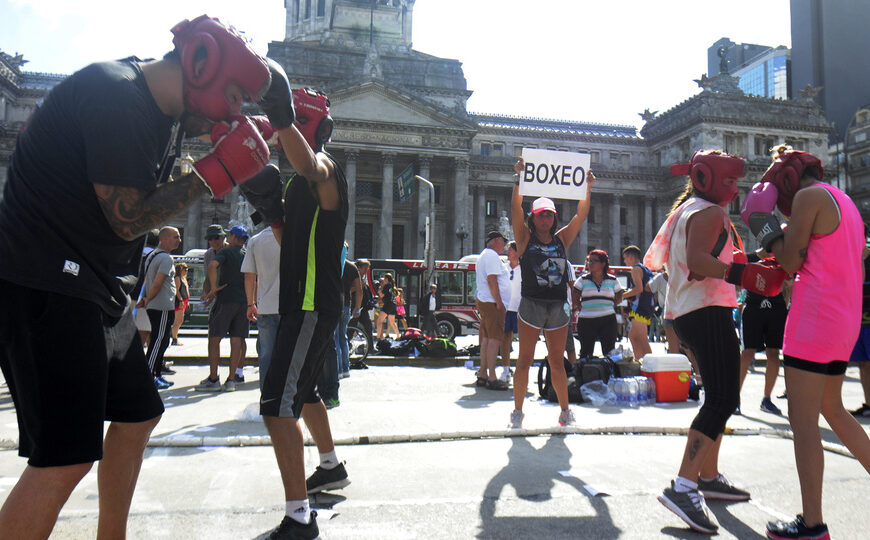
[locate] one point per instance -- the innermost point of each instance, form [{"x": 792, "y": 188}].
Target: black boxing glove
[
  {"x": 263, "y": 191},
  {"x": 278, "y": 101},
  {"x": 766, "y": 228}
]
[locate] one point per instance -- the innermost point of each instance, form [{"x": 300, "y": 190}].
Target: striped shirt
[{"x": 597, "y": 301}]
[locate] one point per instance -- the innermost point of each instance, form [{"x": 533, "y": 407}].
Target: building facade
[{"x": 395, "y": 108}]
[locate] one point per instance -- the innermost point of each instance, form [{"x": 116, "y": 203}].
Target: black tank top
[
  {"x": 544, "y": 269},
  {"x": 311, "y": 248}
]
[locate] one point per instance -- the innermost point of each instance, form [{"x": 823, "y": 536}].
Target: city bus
[{"x": 457, "y": 282}]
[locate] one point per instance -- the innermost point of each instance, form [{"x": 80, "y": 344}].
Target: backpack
[
  {"x": 439, "y": 347},
  {"x": 594, "y": 369},
  {"x": 545, "y": 383}
]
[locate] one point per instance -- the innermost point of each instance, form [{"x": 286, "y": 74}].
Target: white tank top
[{"x": 685, "y": 296}]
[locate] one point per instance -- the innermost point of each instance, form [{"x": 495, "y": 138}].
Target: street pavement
[{"x": 429, "y": 456}]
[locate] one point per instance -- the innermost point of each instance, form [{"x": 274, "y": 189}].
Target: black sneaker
[
  {"x": 690, "y": 507},
  {"x": 781, "y": 530},
  {"x": 238, "y": 378},
  {"x": 326, "y": 479},
  {"x": 290, "y": 529},
  {"x": 863, "y": 410}
]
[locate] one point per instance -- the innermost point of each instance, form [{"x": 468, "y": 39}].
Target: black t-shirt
[
  {"x": 544, "y": 269},
  {"x": 388, "y": 298},
  {"x": 100, "y": 125},
  {"x": 229, "y": 260},
  {"x": 311, "y": 248},
  {"x": 350, "y": 275}
]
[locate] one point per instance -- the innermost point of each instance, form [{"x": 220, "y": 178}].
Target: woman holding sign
[{"x": 541, "y": 247}]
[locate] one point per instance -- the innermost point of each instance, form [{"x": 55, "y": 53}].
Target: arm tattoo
[{"x": 131, "y": 212}]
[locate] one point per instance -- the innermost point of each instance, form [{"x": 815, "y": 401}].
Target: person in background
[
  {"x": 510, "y": 320},
  {"x": 600, "y": 293},
  {"x": 387, "y": 298},
  {"x": 541, "y": 246},
  {"x": 642, "y": 305},
  {"x": 401, "y": 313},
  {"x": 861, "y": 353},
  {"x": 493, "y": 290},
  {"x": 182, "y": 299},
  {"x": 430, "y": 303}
]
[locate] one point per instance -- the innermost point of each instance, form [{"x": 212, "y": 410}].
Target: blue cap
[{"x": 239, "y": 231}]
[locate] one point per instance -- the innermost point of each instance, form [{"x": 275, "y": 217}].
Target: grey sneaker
[
  {"x": 566, "y": 418},
  {"x": 516, "y": 419},
  {"x": 229, "y": 386},
  {"x": 208, "y": 385},
  {"x": 721, "y": 489},
  {"x": 292, "y": 529},
  {"x": 690, "y": 507},
  {"x": 327, "y": 479}
]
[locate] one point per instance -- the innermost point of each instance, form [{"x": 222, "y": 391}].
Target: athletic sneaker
[
  {"x": 768, "y": 406},
  {"x": 516, "y": 419},
  {"x": 344, "y": 375},
  {"x": 721, "y": 489},
  {"x": 797, "y": 529},
  {"x": 208, "y": 385},
  {"x": 690, "y": 507},
  {"x": 161, "y": 383},
  {"x": 327, "y": 479},
  {"x": 229, "y": 386},
  {"x": 331, "y": 403},
  {"x": 566, "y": 418},
  {"x": 505, "y": 375},
  {"x": 238, "y": 378},
  {"x": 290, "y": 529},
  {"x": 863, "y": 410}
]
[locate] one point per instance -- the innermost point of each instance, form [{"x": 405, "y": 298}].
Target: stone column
[
  {"x": 460, "y": 203},
  {"x": 582, "y": 244},
  {"x": 477, "y": 235},
  {"x": 615, "y": 228},
  {"x": 350, "y": 159},
  {"x": 422, "y": 207},
  {"x": 385, "y": 229},
  {"x": 648, "y": 232}
]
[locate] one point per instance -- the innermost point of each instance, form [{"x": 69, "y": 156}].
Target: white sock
[
  {"x": 298, "y": 510},
  {"x": 682, "y": 485},
  {"x": 328, "y": 460},
  {"x": 240, "y": 371},
  {"x": 708, "y": 479}
]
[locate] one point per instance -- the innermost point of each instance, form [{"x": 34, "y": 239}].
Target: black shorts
[
  {"x": 229, "y": 319},
  {"x": 836, "y": 367},
  {"x": 297, "y": 359},
  {"x": 763, "y": 327},
  {"x": 389, "y": 309},
  {"x": 53, "y": 356}
]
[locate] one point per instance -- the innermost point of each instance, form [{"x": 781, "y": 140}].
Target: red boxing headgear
[
  {"x": 786, "y": 172},
  {"x": 312, "y": 117},
  {"x": 229, "y": 59},
  {"x": 708, "y": 170}
]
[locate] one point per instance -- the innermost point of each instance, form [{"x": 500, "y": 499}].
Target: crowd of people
[{"x": 91, "y": 209}]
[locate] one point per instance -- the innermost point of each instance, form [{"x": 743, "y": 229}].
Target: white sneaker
[
  {"x": 505, "y": 375},
  {"x": 516, "y": 419}
]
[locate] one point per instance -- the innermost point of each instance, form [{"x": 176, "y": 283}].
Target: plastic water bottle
[
  {"x": 619, "y": 387},
  {"x": 632, "y": 393},
  {"x": 701, "y": 397},
  {"x": 651, "y": 393},
  {"x": 642, "y": 390}
]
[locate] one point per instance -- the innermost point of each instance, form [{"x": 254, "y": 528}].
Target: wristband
[{"x": 252, "y": 305}]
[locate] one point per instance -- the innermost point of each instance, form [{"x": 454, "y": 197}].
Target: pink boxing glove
[{"x": 761, "y": 198}]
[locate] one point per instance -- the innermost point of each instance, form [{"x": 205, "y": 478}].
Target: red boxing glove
[
  {"x": 761, "y": 198},
  {"x": 239, "y": 153},
  {"x": 765, "y": 278},
  {"x": 269, "y": 133}
]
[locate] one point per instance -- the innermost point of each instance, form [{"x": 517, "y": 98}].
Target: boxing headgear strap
[
  {"x": 786, "y": 172},
  {"x": 312, "y": 117},
  {"x": 708, "y": 170},
  {"x": 228, "y": 59}
]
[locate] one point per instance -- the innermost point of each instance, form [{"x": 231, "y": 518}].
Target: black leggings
[
  {"x": 601, "y": 329},
  {"x": 709, "y": 333}
]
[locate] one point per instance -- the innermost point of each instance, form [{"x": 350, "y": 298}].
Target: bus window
[
  {"x": 471, "y": 287},
  {"x": 410, "y": 283},
  {"x": 450, "y": 284}
]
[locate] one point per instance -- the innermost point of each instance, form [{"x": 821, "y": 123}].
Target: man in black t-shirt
[
  {"x": 85, "y": 183},
  {"x": 311, "y": 234},
  {"x": 228, "y": 315}
]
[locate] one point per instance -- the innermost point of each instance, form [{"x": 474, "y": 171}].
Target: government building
[{"x": 398, "y": 110}]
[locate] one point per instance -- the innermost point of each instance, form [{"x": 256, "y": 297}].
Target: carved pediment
[{"x": 374, "y": 101}]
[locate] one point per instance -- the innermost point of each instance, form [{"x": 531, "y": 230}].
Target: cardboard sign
[{"x": 554, "y": 174}]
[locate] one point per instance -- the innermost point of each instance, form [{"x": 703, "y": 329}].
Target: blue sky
[{"x": 597, "y": 61}]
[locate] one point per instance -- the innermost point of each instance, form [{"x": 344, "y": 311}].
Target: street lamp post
[{"x": 461, "y": 234}]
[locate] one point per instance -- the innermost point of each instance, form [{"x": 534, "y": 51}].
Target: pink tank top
[{"x": 825, "y": 315}]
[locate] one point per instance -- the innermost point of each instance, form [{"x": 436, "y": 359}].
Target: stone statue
[
  {"x": 243, "y": 215},
  {"x": 723, "y": 58},
  {"x": 504, "y": 226}
]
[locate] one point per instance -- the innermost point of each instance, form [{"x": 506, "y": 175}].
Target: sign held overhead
[{"x": 554, "y": 174}]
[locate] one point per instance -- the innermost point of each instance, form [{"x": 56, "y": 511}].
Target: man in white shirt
[
  {"x": 260, "y": 266},
  {"x": 493, "y": 294}
]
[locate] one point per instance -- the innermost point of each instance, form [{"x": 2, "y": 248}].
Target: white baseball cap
[{"x": 543, "y": 204}]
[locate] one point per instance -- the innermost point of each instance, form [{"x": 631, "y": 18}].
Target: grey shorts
[{"x": 545, "y": 314}]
